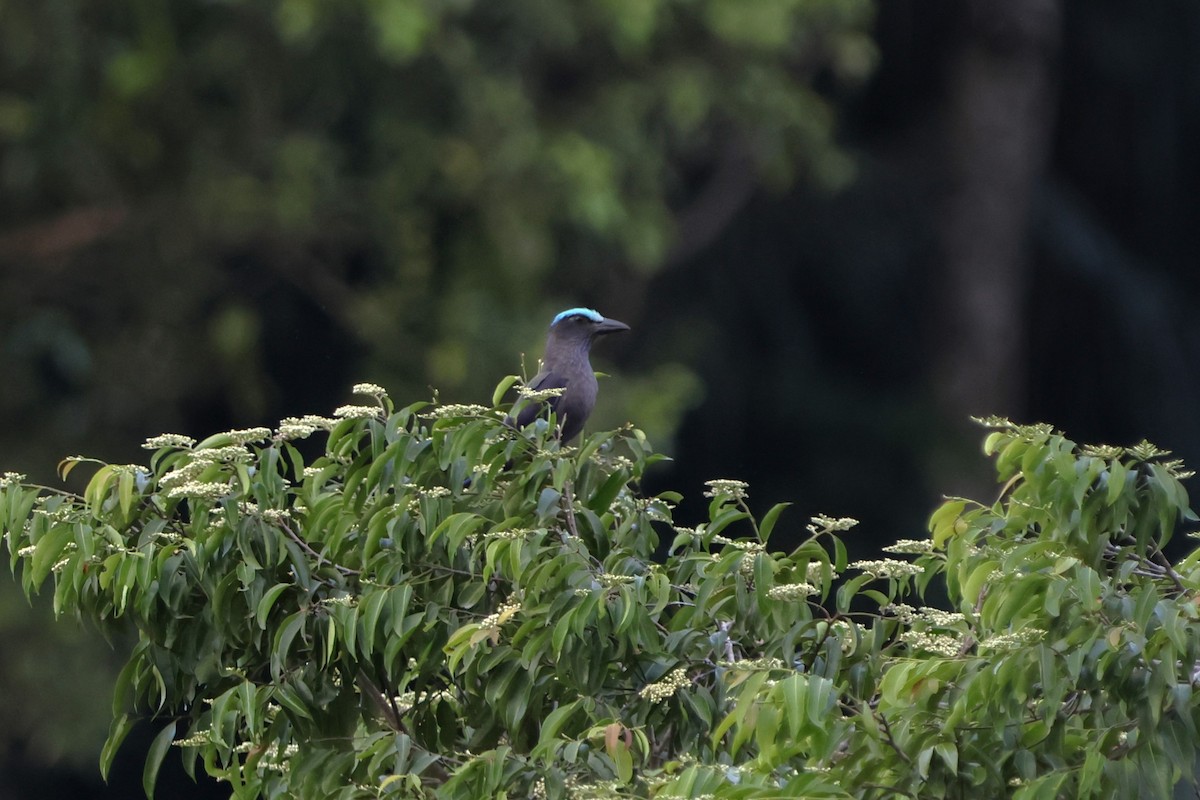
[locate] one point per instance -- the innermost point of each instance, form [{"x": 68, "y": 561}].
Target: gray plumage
[{"x": 565, "y": 366}]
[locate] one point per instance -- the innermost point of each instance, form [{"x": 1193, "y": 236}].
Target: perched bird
[{"x": 566, "y": 366}]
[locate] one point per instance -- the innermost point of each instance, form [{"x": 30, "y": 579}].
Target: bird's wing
[{"x": 543, "y": 380}]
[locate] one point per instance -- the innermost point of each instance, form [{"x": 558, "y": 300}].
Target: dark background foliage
[{"x": 834, "y": 239}]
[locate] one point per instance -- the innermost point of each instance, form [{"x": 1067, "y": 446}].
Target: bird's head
[{"x": 583, "y": 325}]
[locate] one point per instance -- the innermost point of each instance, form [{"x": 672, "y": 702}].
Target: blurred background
[{"x": 838, "y": 229}]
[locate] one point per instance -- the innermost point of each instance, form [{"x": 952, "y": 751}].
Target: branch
[{"x": 308, "y": 549}]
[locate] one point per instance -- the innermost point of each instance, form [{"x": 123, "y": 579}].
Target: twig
[
  {"x": 308, "y": 549},
  {"x": 569, "y": 500},
  {"x": 887, "y": 732}
]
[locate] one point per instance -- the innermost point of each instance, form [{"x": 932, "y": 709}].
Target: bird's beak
[{"x": 610, "y": 326}]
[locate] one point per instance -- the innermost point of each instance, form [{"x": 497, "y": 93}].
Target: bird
[{"x": 565, "y": 365}]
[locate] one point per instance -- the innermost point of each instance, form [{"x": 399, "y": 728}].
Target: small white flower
[
  {"x": 369, "y": 390},
  {"x": 245, "y": 435},
  {"x": 940, "y": 644},
  {"x": 501, "y": 615},
  {"x": 1013, "y": 640},
  {"x": 168, "y": 440},
  {"x": 902, "y": 611},
  {"x": 888, "y": 568},
  {"x": 229, "y": 454},
  {"x": 538, "y": 395},
  {"x": 726, "y": 486},
  {"x": 458, "y": 410},
  {"x": 665, "y": 686},
  {"x": 814, "y": 571},
  {"x": 200, "y": 490},
  {"x": 11, "y": 479},
  {"x": 910, "y": 546},
  {"x": 303, "y": 427},
  {"x": 823, "y": 524},
  {"x": 791, "y": 591},
  {"x": 940, "y": 618},
  {"x": 356, "y": 412}
]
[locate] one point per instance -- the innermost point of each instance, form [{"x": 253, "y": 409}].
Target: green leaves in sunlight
[{"x": 425, "y": 602}]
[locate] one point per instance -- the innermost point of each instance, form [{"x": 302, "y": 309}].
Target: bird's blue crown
[{"x": 590, "y": 313}]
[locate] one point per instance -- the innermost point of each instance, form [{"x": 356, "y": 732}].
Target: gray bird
[{"x": 566, "y": 366}]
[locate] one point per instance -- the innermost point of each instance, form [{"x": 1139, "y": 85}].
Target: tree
[{"x": 426, "y": 602}]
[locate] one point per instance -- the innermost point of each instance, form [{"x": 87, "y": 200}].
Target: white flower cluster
[
  {"x": 345, "y": 600},
  {"x": 940, "y": 644},
  {"x": 168, "y": 440},
  {"x": 501, "y": 615},
  {"x": 901, "y": 611},
  {"x": 185, "y": 473},
  {"x": 10, "y": 479},
  {"x": 613, "y": 462},
  {"x": 405, "y": 702},
  {"x": 229, "y": 454},
  {"x": 813, "y": 572},
  {"x": 888, "y": 568},
  {"x": 451, "y": 410},
  {"x": 665, "y": 686},
  {"x": 247, "y": 435},
  {"x": 726, "y": 486},
  {"x": 511, "y": 533},
  {"x": 610, "y": 580},
  {"x": 64, "y": 513},
  {"x": 936, "y": 616},
  {"x": 791, "y": 591},
  {"x": 1013, "y": 640},
  {"x": 272, "y": 515},
  {"x": 276, "y": 759},
  {"x": 200, "y": 490},
  {"x": 197, "y": 739},
  {"x": 823, "y": 524},
  {"x": 538, "y": 395},
  {"x": 914, "y": 547},
  {"x": 61, "y": 564},
  {"x": 756, "y": 664},
  {"x": 303, "y": 427},
  {"x": 369, "y": 390},
  {"x": 751, "y": 548},
  {"x": 357, "y": 412},
  {"x": 929, "y": 616}
]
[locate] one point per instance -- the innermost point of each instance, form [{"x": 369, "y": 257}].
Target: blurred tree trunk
[{"x": 1000, "y": 117}]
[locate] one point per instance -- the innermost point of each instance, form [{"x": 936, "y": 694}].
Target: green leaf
[
  {"x": 125, "y": 492},
  {"x": 502, "y": 388},
  {"x": 769, "y": 519},
  {"x": 121, "y": 725},
  {"x": 555, "y": 721},
  {"x": 263, "y": 612},
  {"x": 943, "y": 522},
  {"x": 283, "y": 643},
  {"x": 604, "y": 496},
  {"x": 48, "y": 551},
  {"x": 1117, "y": 475},
  {"x": 97, "y": 489},
  {"x": 154, "y": 759},
  {"x": 547, "y": 500},
  {"x": 370, "y": 608}
]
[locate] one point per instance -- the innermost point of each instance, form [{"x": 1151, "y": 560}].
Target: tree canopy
[{"x": 426, "y": 602}]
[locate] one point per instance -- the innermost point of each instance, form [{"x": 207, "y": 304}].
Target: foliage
[{"x": 426, "y": 602}]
